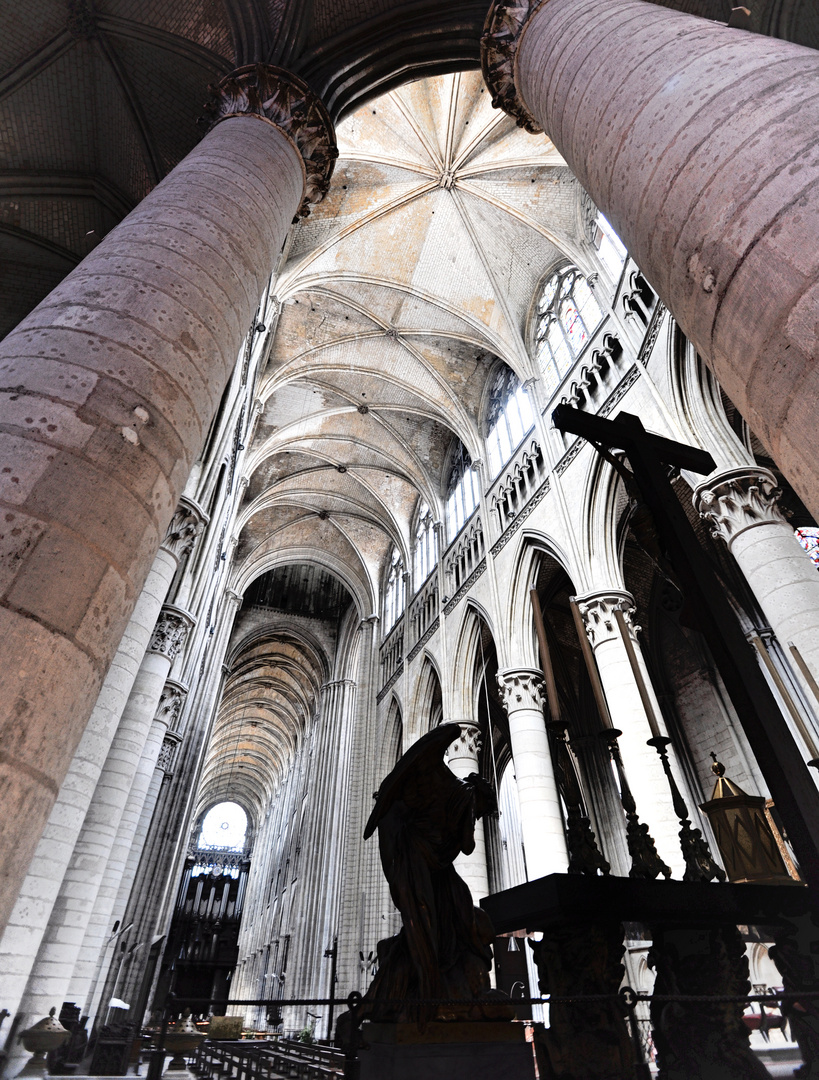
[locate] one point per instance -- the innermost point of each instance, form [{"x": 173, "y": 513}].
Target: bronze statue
[{"x": 425, "y": 816}]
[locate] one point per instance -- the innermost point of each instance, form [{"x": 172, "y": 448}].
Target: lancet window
[
  {"x": 509, "y": 417},
  {"x": 426, "y": 545},
  {"x": 567, "y": 314},
  {"x": 395, "y": 593},
  {"x": 462, "y": 491}
]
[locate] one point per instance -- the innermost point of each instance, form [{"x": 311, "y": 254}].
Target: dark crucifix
[{"x": 785, "y": 771}]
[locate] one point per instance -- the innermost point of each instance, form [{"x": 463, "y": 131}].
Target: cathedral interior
[{"x": 289, "y": 293}]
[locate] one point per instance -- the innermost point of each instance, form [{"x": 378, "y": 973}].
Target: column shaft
[
  {"x": 646, "y": 778},
  {"x": 698, "y": 143},
  {"x": 64, "y": 945},
  {"x": 462, "y": 759},
  {"x": 112, "y": 381},
  {"x": 740, "y": 505},
  {"x": 540, "y": 814},
  {"x": 24, "y": 933}
]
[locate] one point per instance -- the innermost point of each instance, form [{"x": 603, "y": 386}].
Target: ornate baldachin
[
  {"x": 288, "y": 102},
  {"x": 499, "y": 43}
]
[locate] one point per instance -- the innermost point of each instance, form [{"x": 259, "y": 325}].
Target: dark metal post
[
  {"x": 333, "y": 954},
  {"x": 783, "y": 767}
]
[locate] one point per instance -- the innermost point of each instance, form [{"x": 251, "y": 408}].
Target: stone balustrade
[{"x": 464, "y": 553}]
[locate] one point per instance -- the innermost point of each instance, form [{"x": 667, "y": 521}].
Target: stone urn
[
  {"x": 182, "y": 1039},
  {"x": 47, "y": 1034}
]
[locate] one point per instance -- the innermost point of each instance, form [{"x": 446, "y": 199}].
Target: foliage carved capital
[
  {"x": 287, "y": 102},
  {"x": 186, "y": 525},
  {"x": 521, "y": 688},
  {"x": 170, "y": 632},
  {"x": 737, "y": 500},
  {"x": 499, "y": 43},
  {"x": 598, "y": 612}
]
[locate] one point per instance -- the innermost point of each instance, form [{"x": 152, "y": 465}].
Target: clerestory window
[
  {"x": 395, "y": 593},
  {"x": 509, "y": 418},
  {"x": 463, "y": 493},
  {"x": 425, "y": 555},
  {"x": 567, "y": 315}
]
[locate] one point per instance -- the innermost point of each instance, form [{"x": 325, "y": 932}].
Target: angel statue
[{"x": 425, "y": 816}]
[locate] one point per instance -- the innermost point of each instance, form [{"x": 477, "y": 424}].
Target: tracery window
[
  {"x": 567, "y": 315},
  {"x": 809, "y": 539},
  {"x": 426, "y": 545},
  {"x": 509, "y": 417},
  {"x": 395, "y": 594},
  {"x": 462, "y": 491},
  {"x": 224, "y": 828}
]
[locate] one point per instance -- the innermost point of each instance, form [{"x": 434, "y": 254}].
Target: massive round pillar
[
  {"x": 108, "y": 388},
  {"x": 698, "y": 143}
]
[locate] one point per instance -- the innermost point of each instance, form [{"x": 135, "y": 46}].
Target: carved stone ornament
[
  {"x": 167, "y": 754},
  {"x": 598, "y": 610},
  {"x": 170, "y": 704},
  {"x": 738, "y": 499},
  {"x": 499, "y": 43},
  {"x": 468, "y": 743},
  {"x": 170, "y": 632},
  {"x": 521, "y": 688},
  {"x": 288, "y": 103},
  {"x": 186, "y": 525}
]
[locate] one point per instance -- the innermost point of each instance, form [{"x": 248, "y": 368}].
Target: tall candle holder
[{"x": 699, "y": 862}]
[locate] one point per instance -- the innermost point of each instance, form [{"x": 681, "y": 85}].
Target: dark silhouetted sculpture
[{"x": 425, "y": 816}]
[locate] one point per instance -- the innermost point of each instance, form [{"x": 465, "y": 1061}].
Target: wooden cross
[{"x": 791, "y": 784}]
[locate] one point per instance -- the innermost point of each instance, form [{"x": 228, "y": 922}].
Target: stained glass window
[
  {"x": 462, "y": 491},
  {"x": 809, "y": 539},
  {"x": 509, "y": 417},
  {"x": 567, "y": 316},
  {"x": 395, "y": 597},
  {"x": 426, "y": 545}
]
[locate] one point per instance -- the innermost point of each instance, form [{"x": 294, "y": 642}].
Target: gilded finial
[{"x": 718, "y": 769}]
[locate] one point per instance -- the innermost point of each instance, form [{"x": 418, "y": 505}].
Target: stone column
[
  {"x": 154, "y": 765},
  {"x": 65, "y": 943},
  {"x": 658, "y": 115},
  {"x": 35, "y": 903},
  {"x": 540, "y": 814},
  {"x": 149, "y": 709},
  {"x": 113, "y": 380},
  {"x": 740, "y": 505},
  {"x": 462, "y": 758},
  {"x": 642, "y": 763}
]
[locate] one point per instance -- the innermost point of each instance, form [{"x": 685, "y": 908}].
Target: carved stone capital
[
  {"x": 233, "y": 598},
  {"x": 499, "y": 43},
  {"x": 170, "y": 704},
  {"x": 468, "y": 743},
  {"x": 170, "y": 632},
  {"x": 598, "y": 610},
  {"x": 167, "y": 753},
  {"x": 287, "y": 102},
  {"x": 521, "y": 688},
  {"x": 738, "y": 499},
  {"x": 187, "y": 523}
]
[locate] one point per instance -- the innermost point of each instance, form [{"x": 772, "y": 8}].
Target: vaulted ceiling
[
  {"x": 397, "y": 297},
  {"x": 99, "y": 99}
]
